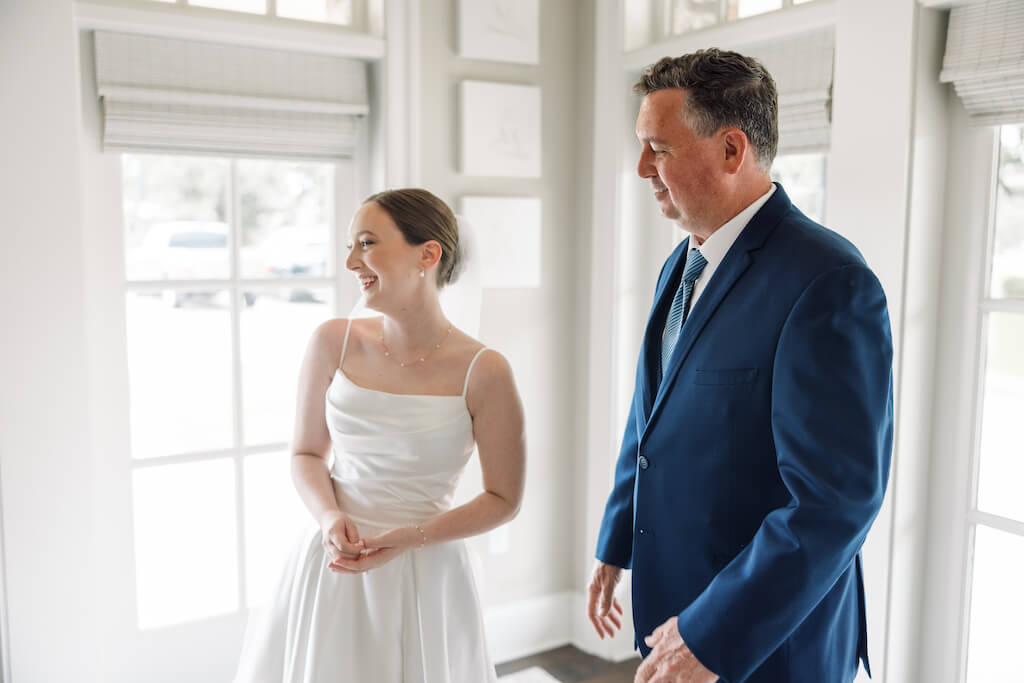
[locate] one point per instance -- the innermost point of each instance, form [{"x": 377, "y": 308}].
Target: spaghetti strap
[
  {"x": 465, "y": 385},
  {"x": 344, "y": 344}
]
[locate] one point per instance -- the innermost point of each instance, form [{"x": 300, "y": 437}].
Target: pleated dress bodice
[{"x": 397, "y": 458}]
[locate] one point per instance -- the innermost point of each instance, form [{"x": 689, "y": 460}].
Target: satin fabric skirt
[{"x": 416, "y": 619}]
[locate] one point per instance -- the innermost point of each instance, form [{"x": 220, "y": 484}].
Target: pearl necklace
[{"x": 421, "y": 359}]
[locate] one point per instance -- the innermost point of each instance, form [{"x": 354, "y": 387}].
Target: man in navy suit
[{"x": 757, "y": 449}]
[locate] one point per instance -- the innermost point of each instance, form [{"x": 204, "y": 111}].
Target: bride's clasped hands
[
  {"x": 340, "y": 536},
  {"x": 365, "y": 554}
]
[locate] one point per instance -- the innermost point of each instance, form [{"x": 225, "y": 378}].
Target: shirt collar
[{"x": 717, "y": 245}]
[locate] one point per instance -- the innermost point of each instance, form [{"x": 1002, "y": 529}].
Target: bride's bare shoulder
[
  {"x": 329, "y": 330},
  {"x": 329, "y": 336},
  {"x": 490, "y": 369}
]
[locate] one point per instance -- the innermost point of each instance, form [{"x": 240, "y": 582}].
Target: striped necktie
[{"x": 695, "y": 263}]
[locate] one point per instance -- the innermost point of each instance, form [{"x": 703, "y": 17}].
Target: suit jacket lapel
[
  {"x": 651, "y": 349},
  {"x": 736, "y": 261}
]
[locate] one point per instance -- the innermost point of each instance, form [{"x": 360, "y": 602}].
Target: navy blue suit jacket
[{"x": 748, "y": 478}]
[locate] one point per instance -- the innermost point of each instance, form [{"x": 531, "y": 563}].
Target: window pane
[
  {"x": 174, "y": 217},
  {"x": 738, "y": 9},
  {"x": 275, "y": 332},
  {"x": 331, "y": 11},
  {"x": 690, "y": 15},
  {"x": 286, "y": 210},
  {"x": 179, "y": 371},
  {"x": 1008, "y": 250},
  {"x": 254, "y": 6},
  {"x": 185, "y": 542},
  {"x": 636, "y": 23},
  {"x": 1001, "y": 474},
  {"x": 803, "y": 178},
  {"x": 275, "y": 520},
  {"x": 997, "y": 601}
]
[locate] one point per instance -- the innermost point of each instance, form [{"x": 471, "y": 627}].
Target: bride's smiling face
[{"x": 387, "y": 266}]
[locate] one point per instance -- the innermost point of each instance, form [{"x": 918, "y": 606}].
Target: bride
[{"x": 382, "y": 590}]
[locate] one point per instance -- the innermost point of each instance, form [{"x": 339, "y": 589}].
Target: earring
[{"x": 423, "y": 272}]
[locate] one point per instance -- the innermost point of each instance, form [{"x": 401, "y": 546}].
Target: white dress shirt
[{"x": 717, "y": 245}]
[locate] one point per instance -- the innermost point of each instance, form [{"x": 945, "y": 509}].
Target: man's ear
[{"x": 736, "y": 147}]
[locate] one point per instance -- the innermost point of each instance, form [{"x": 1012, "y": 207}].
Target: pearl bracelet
[{"x": 423, "y": 535}]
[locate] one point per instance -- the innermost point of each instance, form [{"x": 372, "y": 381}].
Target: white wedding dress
[{"x": 417, "y": 619}]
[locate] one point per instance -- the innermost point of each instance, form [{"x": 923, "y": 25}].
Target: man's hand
[
  {"x": 601, "y": 599},
  {"x": 670, "y": 661}
]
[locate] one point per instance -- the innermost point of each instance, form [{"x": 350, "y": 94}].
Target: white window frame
[
  {"x": 342, "y": 200},
  {"x": 953, "y": 515},
  {"x": 363, "y": 20},
  {"x": 983, "y": 306},
  {"x": 388, "y": 156},
  {"x": 660, "y": 19}
]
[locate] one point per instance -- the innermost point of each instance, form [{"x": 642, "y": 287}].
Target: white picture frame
[
  {"x": 499, "y": 30},
  {"x": 500, "y": 133},
  {"x": 508, "y": 239}
]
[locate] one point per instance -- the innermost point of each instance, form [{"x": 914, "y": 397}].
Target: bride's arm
[
  {"x": 311, "y": 445},
  {"x": 498, "y": 429},
  {"x": 500, "y": 435}
]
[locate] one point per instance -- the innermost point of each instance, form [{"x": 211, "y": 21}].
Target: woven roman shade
[
  {"x": 165, "y": 94},
  {"x": 802, "y": 68},
  {"x": 984, "y": 60}
]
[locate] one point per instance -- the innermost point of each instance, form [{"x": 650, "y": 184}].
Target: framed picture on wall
[
  {"x": 499, "y": 129},
  {"x": 507, "y": 231},
  {"x": 499, "y": 30}
]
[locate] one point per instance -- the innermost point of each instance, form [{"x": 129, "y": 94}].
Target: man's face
[{"x": 684, "y": 169}]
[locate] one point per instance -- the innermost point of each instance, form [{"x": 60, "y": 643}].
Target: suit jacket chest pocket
[{"x": 725, "y": 377}]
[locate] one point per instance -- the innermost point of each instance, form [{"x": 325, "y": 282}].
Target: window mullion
[
  {"x": 1010, "y": 526},
  {"x": 237, "y": 301},
  {"x": 1013, "y": 306},
  {"x": 981, "y": 317}
]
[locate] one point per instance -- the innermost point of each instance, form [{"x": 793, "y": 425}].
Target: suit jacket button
[{"x": 644, "y": 464}]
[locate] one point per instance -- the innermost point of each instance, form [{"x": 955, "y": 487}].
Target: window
[
  {"x": 741, "y": 9},
  {"x": 997, "y": 510},
  {"x": 684, "y": 16},
  {"x": 691, "y": 15},
  {"x": 325, "y": 11},
  {"x": 229, "y": 267},
  {"x": 803, "y": 178}
]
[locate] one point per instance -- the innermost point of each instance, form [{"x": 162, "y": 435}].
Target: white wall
[
  {"x": 918, "y": 372},
  {"x": 44, "y": 414},
  {"x": 886, "y": 169},
  {"x": 971, "y": 159},
  {"x": 534, "y": 328}
]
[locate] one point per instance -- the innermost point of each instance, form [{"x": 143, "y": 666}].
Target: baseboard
[
  {"x": 524, "y": 628},
  {"x": 547, "y": 622}
]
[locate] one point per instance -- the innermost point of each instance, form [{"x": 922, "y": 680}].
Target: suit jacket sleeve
[
  {"x": 831, "y": 419},
  {"x": 615, "y": 540}
]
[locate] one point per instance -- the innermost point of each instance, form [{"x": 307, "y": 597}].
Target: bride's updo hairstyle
[{"x": 421, "y": 216}]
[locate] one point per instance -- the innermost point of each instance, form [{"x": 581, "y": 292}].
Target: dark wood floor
[{"x": 570, "y": 665}]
